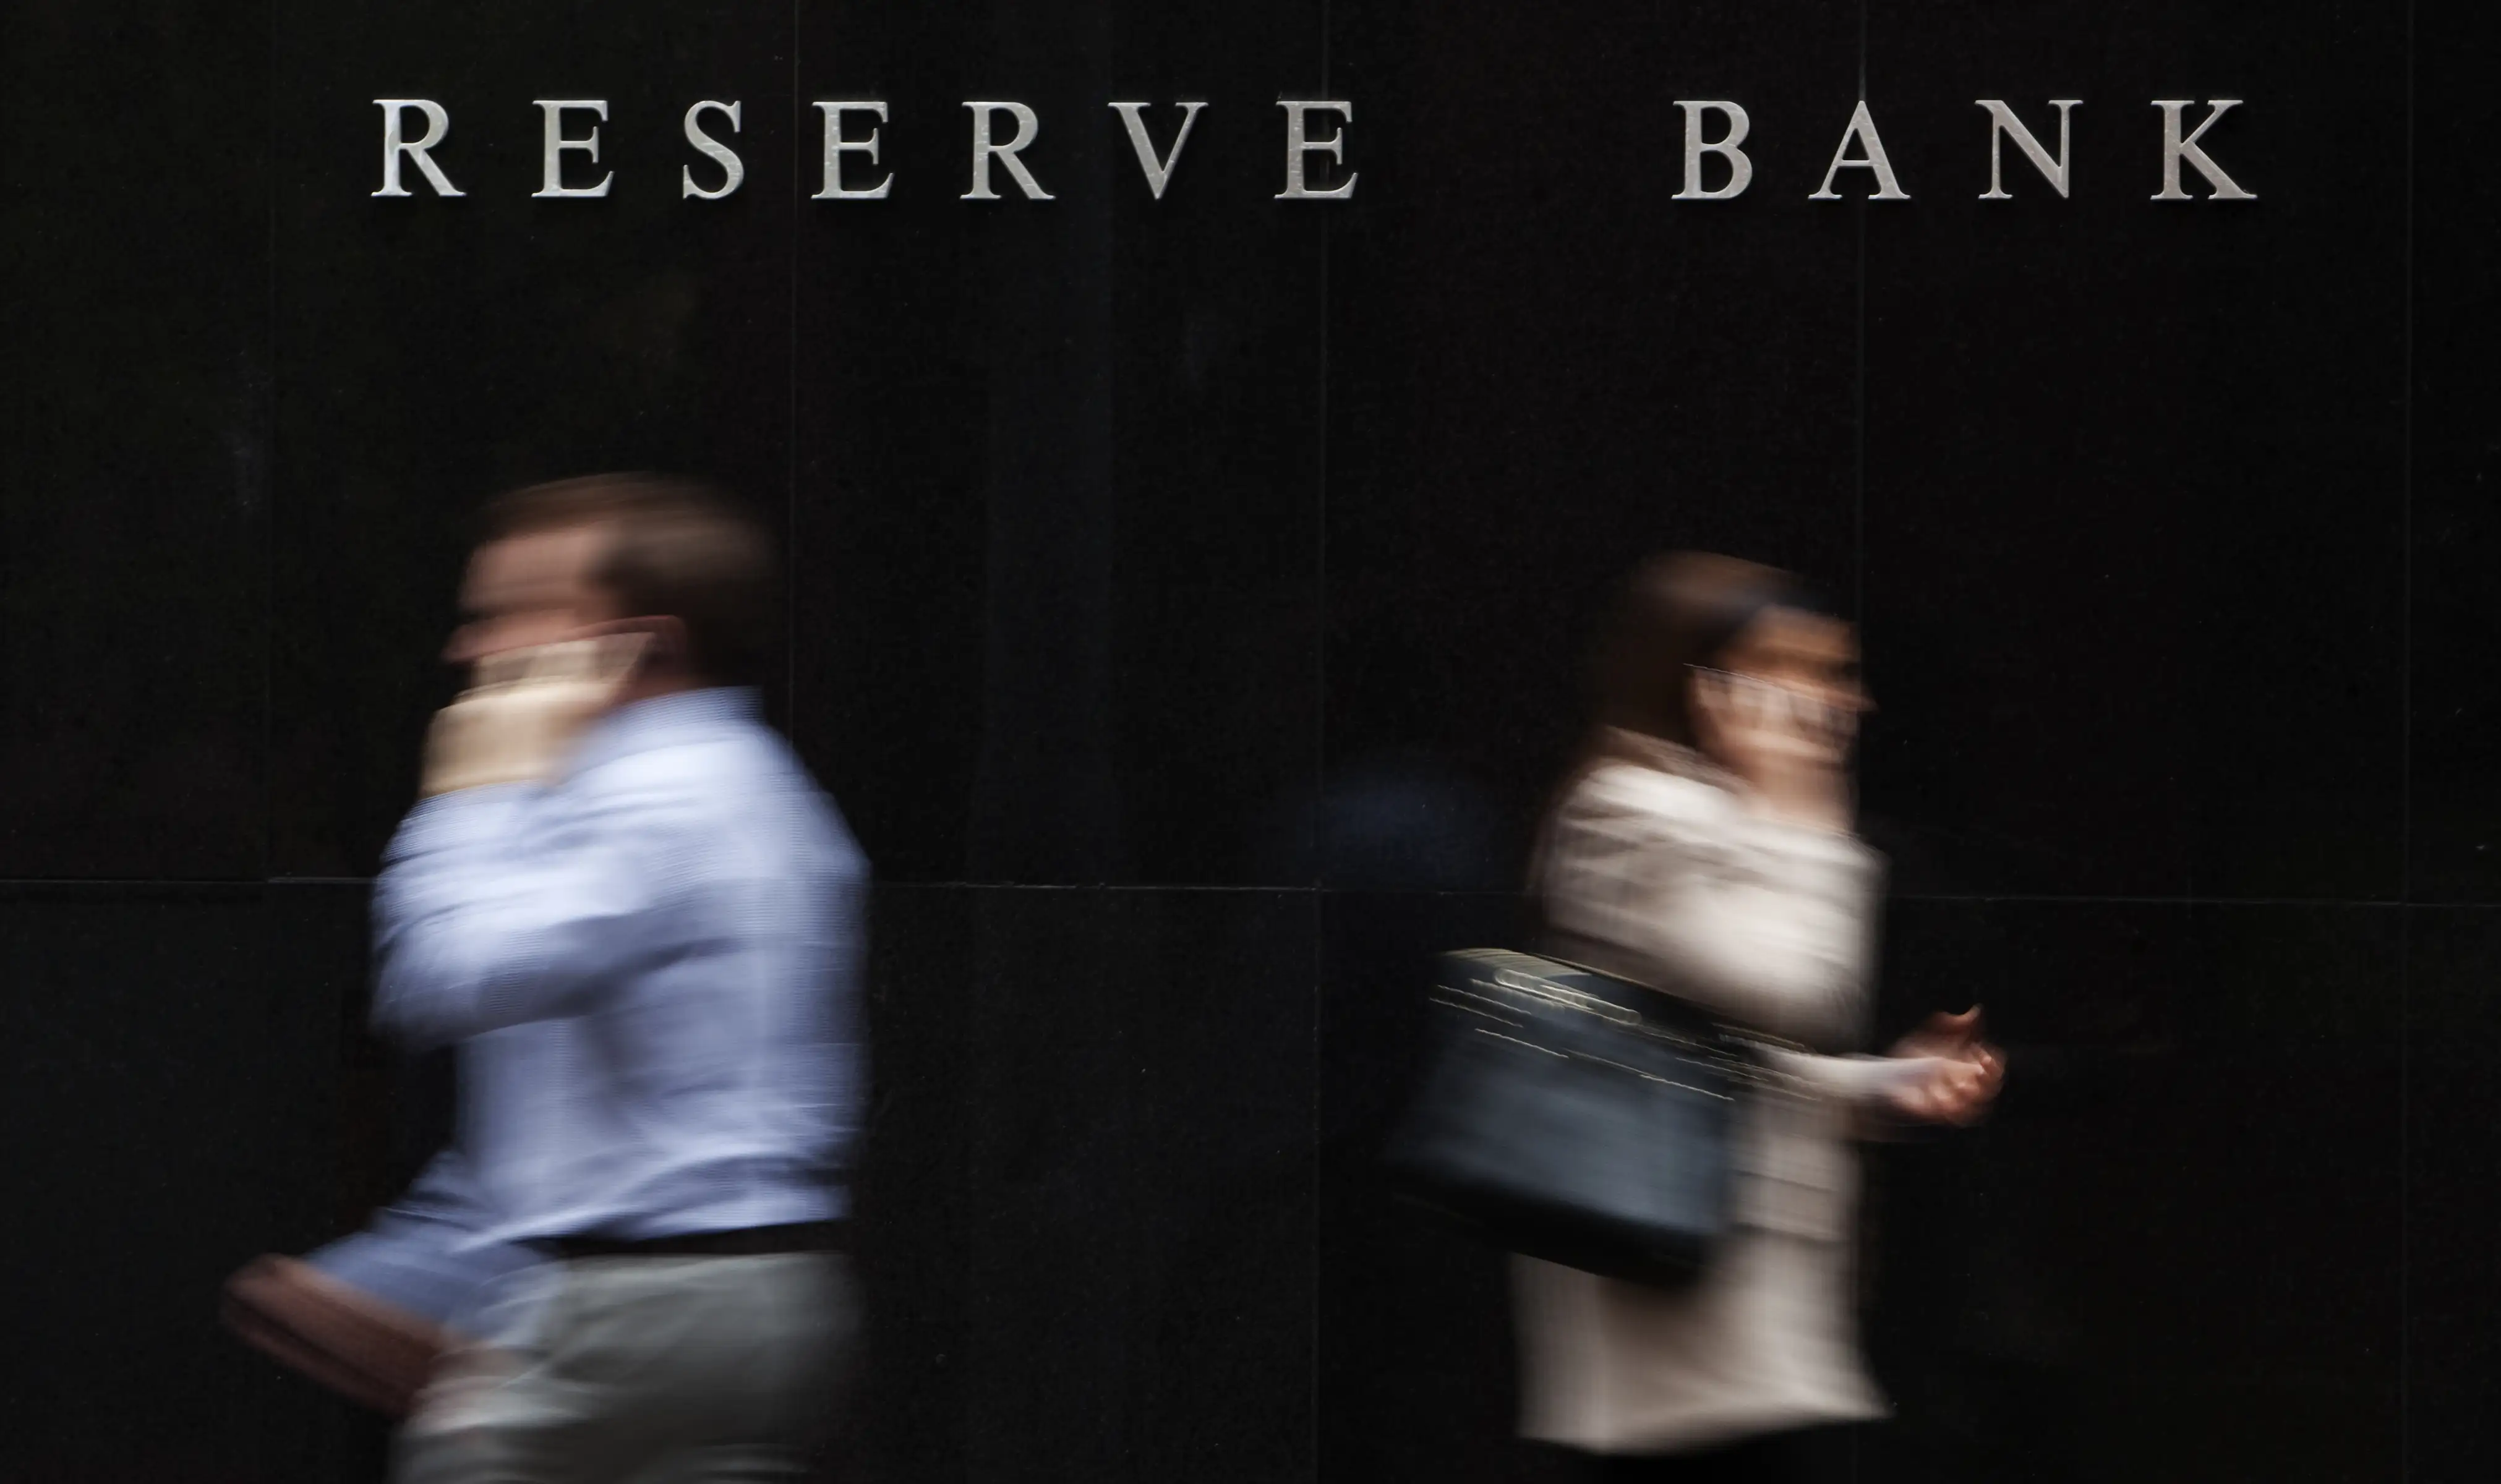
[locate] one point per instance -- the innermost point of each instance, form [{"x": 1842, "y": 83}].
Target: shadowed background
[{"x": 1185, "y": 604}]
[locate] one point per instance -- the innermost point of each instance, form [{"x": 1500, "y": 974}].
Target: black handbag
[{"x": 1574, "y": 1116}]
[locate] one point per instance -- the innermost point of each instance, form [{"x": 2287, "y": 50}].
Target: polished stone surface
[{"x": 1186, "y": 601}]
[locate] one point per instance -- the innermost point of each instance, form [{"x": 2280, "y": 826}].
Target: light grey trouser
[{"x": 646, "y": 1370}]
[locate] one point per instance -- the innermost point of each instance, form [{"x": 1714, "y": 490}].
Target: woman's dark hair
[{"x": 676, "y": 549}]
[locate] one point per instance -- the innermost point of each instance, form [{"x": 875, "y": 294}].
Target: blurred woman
[{"x": 1703, "y": 847}]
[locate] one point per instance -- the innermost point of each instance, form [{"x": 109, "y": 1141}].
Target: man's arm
[{"x": 490, "y": 914}]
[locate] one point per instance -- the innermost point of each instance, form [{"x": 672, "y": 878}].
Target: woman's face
[{"x": 1788, "y": 683}]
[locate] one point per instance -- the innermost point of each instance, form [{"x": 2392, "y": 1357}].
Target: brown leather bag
[{"x": 369, "y": 1351}]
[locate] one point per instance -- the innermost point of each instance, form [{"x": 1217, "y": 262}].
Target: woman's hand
[
  {"x": 1957, "y": 1075},
  {"x": 1790, "y": 746}
]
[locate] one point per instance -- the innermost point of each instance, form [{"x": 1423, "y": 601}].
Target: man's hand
[{"x": 515, "y": 723}]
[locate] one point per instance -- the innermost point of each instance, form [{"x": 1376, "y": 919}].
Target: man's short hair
[{"x": 676, "y": 549}]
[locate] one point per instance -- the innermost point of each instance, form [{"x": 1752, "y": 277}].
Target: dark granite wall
[{"x": 1185, "y": 603}]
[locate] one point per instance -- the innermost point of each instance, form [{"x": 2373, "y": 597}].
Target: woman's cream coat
[{"x": 1656, "y": 870}]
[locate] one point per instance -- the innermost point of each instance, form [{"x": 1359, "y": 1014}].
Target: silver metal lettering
[
  {"x": 985, "y": 152},
  {"x": 836, "y": 147},
  {"x": 2176, "y": 149},
  {"x": 1740, "y": 169},
  {"x": 1158, "y": 171},
  {"x": 2003, "y": 124},
  {"x": 396, "y": 144},
  {"x": 1300, "y": 145},
  {"x": 1862, "y": 129},
  {"x": 551, "y": 156},
  {"x": 735, "y": 169}
]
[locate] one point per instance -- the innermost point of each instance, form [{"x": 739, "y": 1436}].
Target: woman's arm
[
  {"x": 1764, "y": 922},
  {"x": 1885, "y": 1092}
]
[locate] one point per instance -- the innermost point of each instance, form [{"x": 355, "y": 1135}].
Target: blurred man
[{"x": 627, "y": 903}]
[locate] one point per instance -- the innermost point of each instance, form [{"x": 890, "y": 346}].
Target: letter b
[{"x": 1741, "y": 170}]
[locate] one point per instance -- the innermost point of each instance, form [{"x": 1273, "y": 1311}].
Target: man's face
[{"x": 528, "y": 590}]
